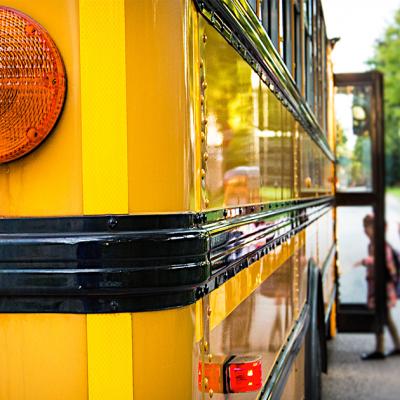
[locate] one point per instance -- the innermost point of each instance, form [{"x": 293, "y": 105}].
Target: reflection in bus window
[
  {"x": 241, "y": 186},
  {"x": 250, "y": 133}
]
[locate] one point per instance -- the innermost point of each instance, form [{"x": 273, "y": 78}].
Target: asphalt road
[{"x": 348, "y": 377}]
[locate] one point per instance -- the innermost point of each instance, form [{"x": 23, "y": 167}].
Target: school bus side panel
[
  {"x": 48, "y": 181},
  {"x": 160, "y": 37},
  {"x": 162, "y": 343},
  {"x": 43, "y": 356}
]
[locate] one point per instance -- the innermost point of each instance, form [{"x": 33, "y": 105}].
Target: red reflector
[
  {"x": 245, "y": 374},
  {"x": 213, "y": 377}
]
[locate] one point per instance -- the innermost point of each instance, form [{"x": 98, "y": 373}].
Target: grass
[{"x": 395, "y": 191}]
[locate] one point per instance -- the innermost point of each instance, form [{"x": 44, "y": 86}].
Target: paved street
[{"x": 349, "y": 378}]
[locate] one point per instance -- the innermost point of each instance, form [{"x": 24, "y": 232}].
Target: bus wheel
[
  {"x": 313, "y": 367},
  {"x": 315, "y": 343}
]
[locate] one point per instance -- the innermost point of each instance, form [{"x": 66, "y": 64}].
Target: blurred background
[{"x": 369, "y": 33}]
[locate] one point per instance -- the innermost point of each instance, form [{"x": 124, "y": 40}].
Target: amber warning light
[{"x": 32, "y": 84}]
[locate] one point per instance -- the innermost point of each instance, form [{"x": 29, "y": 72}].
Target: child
[{"x": 368, "y": 262}]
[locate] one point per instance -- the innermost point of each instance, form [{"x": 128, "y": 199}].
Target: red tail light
[
  {"x": 238, "y": 375},
  {"x": 244, "y": 374}
]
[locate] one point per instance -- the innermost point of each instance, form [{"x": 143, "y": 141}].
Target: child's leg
[
  {"x": 378, "y": 354},
  {"x": 393, "y": 331},
  {"x": 380, "y": 342}
]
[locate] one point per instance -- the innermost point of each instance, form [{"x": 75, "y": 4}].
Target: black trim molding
[{"x": 103, "y": 264}]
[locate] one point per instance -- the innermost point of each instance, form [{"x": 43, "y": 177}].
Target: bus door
[{"x": 360, "y": 224}]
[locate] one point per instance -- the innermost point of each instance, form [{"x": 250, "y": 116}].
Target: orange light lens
[
  {"x": 32, "y": 84},
  {"x": 213, "y": 377}
]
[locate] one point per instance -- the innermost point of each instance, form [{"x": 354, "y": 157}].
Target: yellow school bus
[{"x": 166, "y": 194}]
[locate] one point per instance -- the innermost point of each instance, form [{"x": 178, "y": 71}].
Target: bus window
[
  {"x": 287, "y": 12},
  {"x": 323, "y": 77},
  {"x": 265, "y": 12},
  {"x": 253, "y": 4},
  {"x": 297, "y": 45},
  {"x": 281, "y": 28},
  {"x": 353, "y": 109},
  {"x": 308, "y": 53},
  {"x": 272, "y": 23}
]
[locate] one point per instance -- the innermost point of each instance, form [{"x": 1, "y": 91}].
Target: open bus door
[{"x": 360, "y": 193}]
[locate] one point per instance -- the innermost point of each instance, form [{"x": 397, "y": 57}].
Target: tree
[{"x": 387, "y": 60}]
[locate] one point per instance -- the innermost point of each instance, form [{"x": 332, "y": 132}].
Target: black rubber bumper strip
[{"x": 104, "y": 264}]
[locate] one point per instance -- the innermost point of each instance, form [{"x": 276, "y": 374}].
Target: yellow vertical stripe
[
  {"x": 110, "y": 371},
  {"x": 103, "y": 98}
]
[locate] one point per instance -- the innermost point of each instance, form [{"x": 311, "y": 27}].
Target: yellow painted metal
[
  {"x": 332, "y": 325},
  {"x": 48, "y": 181},
  {"x": 103, "y": 96},
  {"x": 232, "y": 293},
  {"x": 160, "y": 101},
  {"x": 331, "y": 116},
  {"x": 43, "y": 356},
  {"x": 109, "y": 352},
  {"x": 199, "y": 110},
  {"x": 199, "y": 328},
  {"x": 163, "y": 362}
]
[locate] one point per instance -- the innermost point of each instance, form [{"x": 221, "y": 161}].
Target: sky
[{"x": 359, "y": 23}]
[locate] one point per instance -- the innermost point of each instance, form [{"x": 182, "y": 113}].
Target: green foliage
[
  {"x": 387, "y": 60},
  {"x": 355, "y": 163},
  {"x": 394, "y": 191}
]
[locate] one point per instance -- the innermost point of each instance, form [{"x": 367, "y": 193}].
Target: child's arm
[{"x": 366, "y": 262}]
